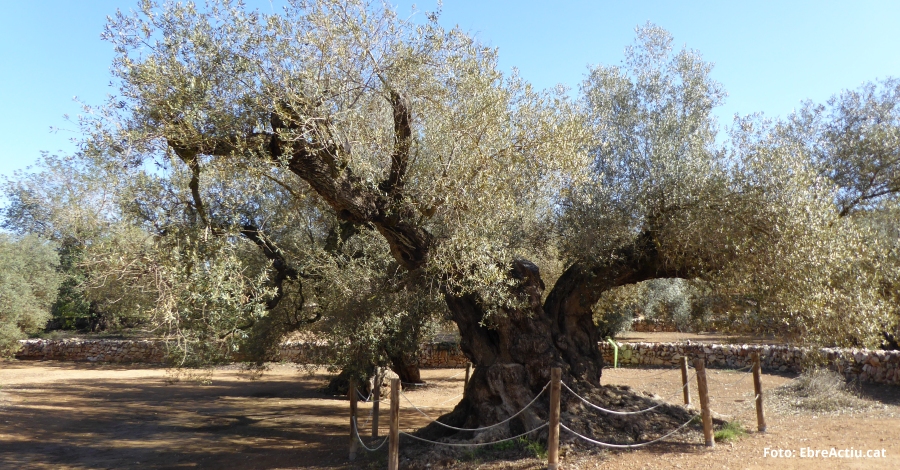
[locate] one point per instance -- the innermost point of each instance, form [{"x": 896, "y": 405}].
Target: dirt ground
[
  {"x": 80, "y": 415},
  {"x": 676, "y": 336}
]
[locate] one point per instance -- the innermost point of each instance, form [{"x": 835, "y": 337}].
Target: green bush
[{"x": 29, "y": 280}]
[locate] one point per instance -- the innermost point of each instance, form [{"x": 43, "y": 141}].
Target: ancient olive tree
[
  {"x": 407, "y": 137},
  {"x": 391, "y": 164},
  {"x": 408, "y": 148}
]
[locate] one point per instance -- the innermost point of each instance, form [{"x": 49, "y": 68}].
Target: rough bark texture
[
  {"x": 513, "y": 356},
  {"x": 406, "y": 366}
]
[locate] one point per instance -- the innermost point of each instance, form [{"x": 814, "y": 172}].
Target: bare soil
[
  {"x": 703, "y": 337},
  {"x": 80, "y": 415}
]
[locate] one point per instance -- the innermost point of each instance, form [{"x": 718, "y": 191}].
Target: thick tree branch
[
  {"x": 350, "y": 197},
  {"x": 189, "y": 157},
  {"x": 849, "y": 206},
  {"x": 569, "y": 303},
  {"x": 283, "y": 271},
  {"x": 402, "y": 144},
  {"x": 315, "y": 159}
]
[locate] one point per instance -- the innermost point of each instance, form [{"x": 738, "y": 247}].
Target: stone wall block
[{"x": 855, "y": 364}]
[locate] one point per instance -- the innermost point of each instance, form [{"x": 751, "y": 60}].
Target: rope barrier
[
  {"x": 477, "y": 429},
  {"x": 456, "y": 375},
  {"x": 742, "y": 407},
  {"x": 442, "y": 403},
  {"x": 477, "y": 444},
  {"x": 445, "y": 401},
  {"x": 659, "y": 374},
  {"x": 372, "y": 410},
  {"x": 729, "y": 385},
  {"x": 626, "y": 413},
  {"x": 626, "y": 446},
  {"x": 619, "y": 413},
  {"x": 356, "y": 432},
  {"x": 414, "y": 384},
  {"x": 746, "y": 400}
]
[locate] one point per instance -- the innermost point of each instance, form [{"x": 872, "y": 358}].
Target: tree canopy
[{"x": 340, "y": 170}]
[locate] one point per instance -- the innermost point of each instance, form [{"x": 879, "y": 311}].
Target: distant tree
[
  {"x": 60, "y": 200},
  {"x": 29, "y": 279},
  {"x": 853, "y": 140}
]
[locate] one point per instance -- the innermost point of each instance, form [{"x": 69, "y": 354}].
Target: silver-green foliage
[
  {"x": 190, "y": 193},
  {"x": 755, "y": 219},
  {"x": 29, "y": 280}
]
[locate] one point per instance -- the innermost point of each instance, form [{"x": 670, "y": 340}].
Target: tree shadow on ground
[{"x": 148, "y": 423}]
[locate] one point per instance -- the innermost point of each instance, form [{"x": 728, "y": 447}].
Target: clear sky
[{"x": 769, "y": 55}]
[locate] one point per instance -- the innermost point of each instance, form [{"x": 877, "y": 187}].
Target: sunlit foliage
[{"x": 29, "y": 279}]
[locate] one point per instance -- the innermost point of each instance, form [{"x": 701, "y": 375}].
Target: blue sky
[{"x": 769, "y": 55}]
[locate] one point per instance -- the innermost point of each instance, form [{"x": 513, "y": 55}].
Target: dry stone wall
[
  {"x": 432, "y": 355},
  {"x": 93, "y": 350},
  {"x": 856, "y": 364}
]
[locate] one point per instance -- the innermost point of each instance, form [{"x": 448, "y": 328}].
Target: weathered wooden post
[
  {"x": 553, "y": 437},
  {"x": 376, "y": 399},
  {"x": 353, "y": 431},
  {"x": 705, "y": 414},
  {"x": 394, "y": 436},
  {"x": 468, "y": 375},
  {"x": 757, "y": 388},
  {"x": 686, "y": 387}
]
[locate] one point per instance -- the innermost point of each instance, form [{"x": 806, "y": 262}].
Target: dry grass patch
[{"x": 820, "y": 390}]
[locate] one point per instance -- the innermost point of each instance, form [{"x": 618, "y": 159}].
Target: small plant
[
  {"x": 730, "y": 431},
  {"x": 505, "y": 445},
  {"x": 535, "y": 448}
]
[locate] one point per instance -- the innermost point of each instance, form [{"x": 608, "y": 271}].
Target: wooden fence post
[
  {"x": 705, "y": 414},
  {"x": 757, "y": 388},
  {"x": 553, "y": 437},
  {"x": 468, "y": 375},
  {"x": 376, "y": 399},
  {"x": 353, "y": 431},
  {"x": 686, "y": 387},
  {"x": 394, "y": 436}
]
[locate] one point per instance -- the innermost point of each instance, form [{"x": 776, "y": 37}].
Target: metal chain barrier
[
  {"x": 659, "y": 374},
  {"x": 477, "y": 429},
  {"x": 456, "y": 444},
  {"x": 749, "y": 373},
  {"x": 356, "y": 432},
  {"x": 625, "y": 413},
  {"x": 626, "y": 446}
]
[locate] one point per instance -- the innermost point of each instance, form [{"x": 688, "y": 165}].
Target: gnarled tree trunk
[
  {"x": 406, "y": 366},
  {"x": 514, "y": 356}
]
